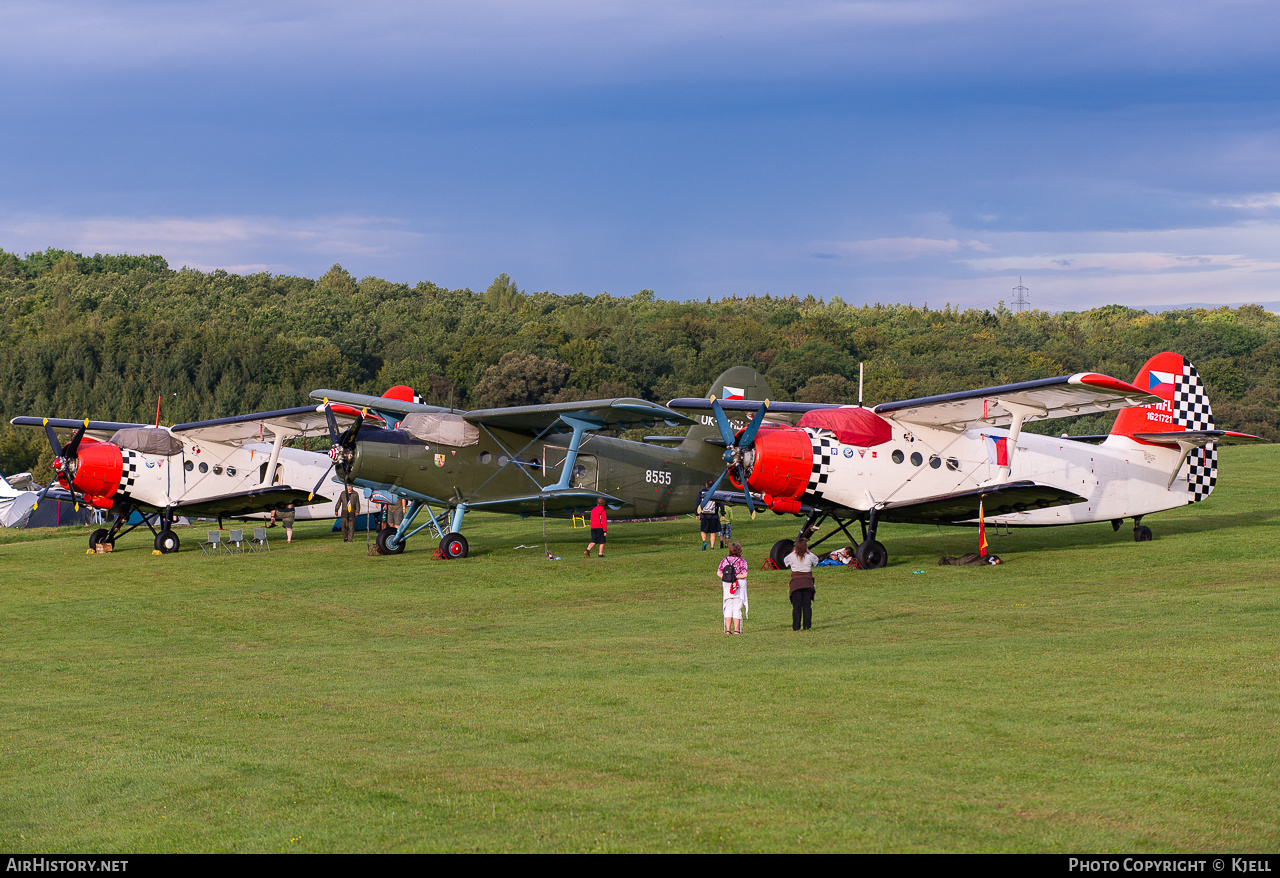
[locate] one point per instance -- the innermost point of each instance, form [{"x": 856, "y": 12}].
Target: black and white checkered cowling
[
  {"x": 129, "y": 463},
  {"x": 1191, "y": 410},
  {"x": 825, "y": 450}
]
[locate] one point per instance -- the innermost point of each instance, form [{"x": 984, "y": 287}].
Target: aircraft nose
[
  {"x": 783, "y": 462},
  {"x": 98, "y": 469}
]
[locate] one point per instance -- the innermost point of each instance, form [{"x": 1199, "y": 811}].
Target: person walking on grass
[
  {"x": 733, "y": 579},
  {"x": 708, "y": 516},
  {"x": 599, "y": 527},
  {"x": 801, "y": 561}
]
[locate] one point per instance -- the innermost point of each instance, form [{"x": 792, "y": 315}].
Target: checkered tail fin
[{"x": 1186, "y": 407}]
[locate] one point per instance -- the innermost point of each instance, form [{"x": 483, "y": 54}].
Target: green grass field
[{"x": 1092, "y": 695}]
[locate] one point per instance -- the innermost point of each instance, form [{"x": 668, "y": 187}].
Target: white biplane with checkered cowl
[
  {"x": 237, "y": 467},
  {"x": 941, "y": 459}
]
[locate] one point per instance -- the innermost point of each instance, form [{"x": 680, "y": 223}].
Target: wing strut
[{"x": 1020, "y": 411}]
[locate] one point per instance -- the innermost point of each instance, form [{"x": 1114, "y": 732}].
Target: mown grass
[{"x": 1093, "y": 694}]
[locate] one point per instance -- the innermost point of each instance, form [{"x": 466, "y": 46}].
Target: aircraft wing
[
  {"x": 246, "y": 502},
  {"x": 962, "y": 506},
  {"x": 701, "y": 404},
  {"x": 599, "y": 414},
  {"x": 1080, "y": 394},
  {"x": 102, "y": 430},
  {"x": 306, "y": 420},
  {"x": 376, "y": 403}
]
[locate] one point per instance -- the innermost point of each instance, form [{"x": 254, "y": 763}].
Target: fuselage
[
  {"x": 504, "y": 470},
  {"x": 1119, "y": 478}
]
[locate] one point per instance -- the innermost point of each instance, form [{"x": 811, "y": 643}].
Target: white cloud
[{"x": 227, "y": 242}]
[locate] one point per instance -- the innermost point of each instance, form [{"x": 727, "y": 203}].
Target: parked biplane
[
  {"x": 530, "y": 460},
  {"x": 233, "y": 467},
  {"x": 940, "y": 459}
]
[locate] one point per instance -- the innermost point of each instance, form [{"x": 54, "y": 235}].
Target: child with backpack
[{"x": 733, "y": 579}]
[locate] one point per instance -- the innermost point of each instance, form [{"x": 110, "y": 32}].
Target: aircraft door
[{"x": 586, "y": 470}]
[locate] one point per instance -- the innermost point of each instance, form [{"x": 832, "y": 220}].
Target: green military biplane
[{"x": 529, "y": 460}]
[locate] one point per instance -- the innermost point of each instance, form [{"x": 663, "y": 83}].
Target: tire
[
  {"x": 383, "y": 548},
  {"x": 1142, "y": 534},
  {"x": 454, "y": 546},
  {"x": 780, "y": 550},
  {"x": 872, "y": 555},
  {"x": 167, "y": 542},
  {"x": 97, "y": 536}
]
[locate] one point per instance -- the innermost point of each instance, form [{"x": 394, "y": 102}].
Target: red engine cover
[
  {"x": 98, "y": 473},
  {"x": 784, "y": 462}
]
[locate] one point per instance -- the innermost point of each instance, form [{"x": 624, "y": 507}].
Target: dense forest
[{"x": 104, "y": 336}]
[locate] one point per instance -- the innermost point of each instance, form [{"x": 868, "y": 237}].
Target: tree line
[{"x": 104, "y": 336}]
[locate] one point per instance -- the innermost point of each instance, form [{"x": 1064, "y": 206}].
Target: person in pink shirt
[
  {"x": 599, "y": 526},
  {"x": 733, "y": 577}
]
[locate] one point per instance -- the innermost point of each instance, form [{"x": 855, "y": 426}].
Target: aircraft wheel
[
  {"x": 385, "y": 549},
  {"x": 454, "y": 546},
  {"x": 98, "y": 536},
  {"x": 780, "y": 550},
  {"x": 1142, "y": 534},
  {"x": 167, "y": 542},
  {"x": 872, "y": 554}
]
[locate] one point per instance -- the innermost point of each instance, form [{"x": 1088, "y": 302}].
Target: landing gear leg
[
  {"x": 167, "y": 541},
  {"x": 871, "y": 554}
]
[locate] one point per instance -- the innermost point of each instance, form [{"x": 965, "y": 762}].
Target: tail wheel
[
  {"x": 1141, "y": 534},
  {"x": 780, "y": 550},
  {"x": 454, "y": 546},
  {"x": 98, "y": 536},
  {"x": 383, "y": 547},
  {"x": 167, "y": 542},
  {"x": 872, "y": 554}
]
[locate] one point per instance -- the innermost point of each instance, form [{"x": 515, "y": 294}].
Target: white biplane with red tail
[
  {"x": 941, "y": 459},
  {"x": 237, "y": 467}
]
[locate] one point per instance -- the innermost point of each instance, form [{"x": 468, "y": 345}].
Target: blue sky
[{"x": 906, "y": 151}]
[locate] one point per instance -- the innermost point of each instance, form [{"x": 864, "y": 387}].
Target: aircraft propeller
[
  {"x": 65, "y": 460},
  {"x": 736, "y": 447},
  {"x": 342, "y": 451}
]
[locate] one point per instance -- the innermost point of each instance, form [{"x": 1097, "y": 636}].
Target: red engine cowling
[
  {"x": 783, "y": 462},
  {"x": 98, "y": 469}
]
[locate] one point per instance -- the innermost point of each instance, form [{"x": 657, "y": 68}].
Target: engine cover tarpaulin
[
  {"x": 148, "y": 440},
  {"x": 852, "y": 426},
  {"x": 444, "y": 428}
]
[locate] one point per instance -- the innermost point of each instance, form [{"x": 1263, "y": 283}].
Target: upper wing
[
  {"x": 597, "y": 414},
  {"x": 306, "y": 420},
  {"x": 1066, "y": 395},
  {"x": 386, "y": 407},
  {"x": 102, "y": 430}
]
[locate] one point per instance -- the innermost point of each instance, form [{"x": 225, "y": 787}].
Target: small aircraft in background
[
  {"x": 530, "y": 460},
  {"x": 16, "y": 503},
  {"x": 946, "y": 459},
  {"x": 227, "y": 467}
]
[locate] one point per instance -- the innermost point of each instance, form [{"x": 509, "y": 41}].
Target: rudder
[{"x": 1186, "y": 407}]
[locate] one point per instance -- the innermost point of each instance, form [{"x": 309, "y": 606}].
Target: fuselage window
[
  {"x": 916, "y": 458},
  {"x": 217, "y": 470},
  {"x": 953, "y": 464},
  {"x": 204, "y": 467},
  {"x": 898, "y": 457},
  {"x": 485, "y": 457},
  {"x": 188, "y": 466},
  {"x": 935, "y": 461}
]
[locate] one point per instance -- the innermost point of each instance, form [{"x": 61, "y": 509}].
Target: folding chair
[
  {"x": 235, "y": 538},
  {"x": 260, "y": 541},
  {"x": 213, "y": 545}
]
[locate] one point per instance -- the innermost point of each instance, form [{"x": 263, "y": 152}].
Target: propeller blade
[
  {"x": 746, "y": 492},
  {"x": 53, "y": 439},
  {"x": 349, "y": 437},
  {"x": 69, "y": 450},
  {"x": 756, "y": 420},
  {"x": 321, "y": 482},
  {"x": 332, "y": 422},
  {"x": 722, "y": 421}
]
